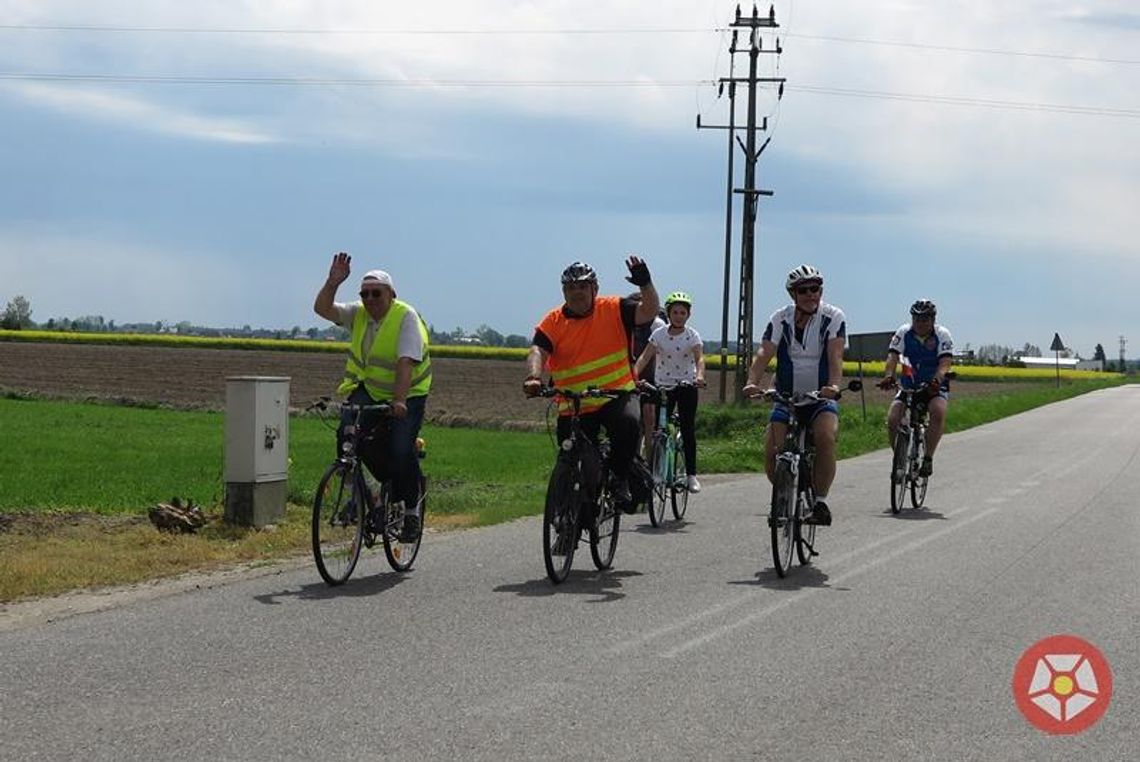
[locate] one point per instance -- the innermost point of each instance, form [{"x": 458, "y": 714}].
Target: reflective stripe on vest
[
  {"x": 378, "y": 371},
  {"x": 589, "y": 352}
]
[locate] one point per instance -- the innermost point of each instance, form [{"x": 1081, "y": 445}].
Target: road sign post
[{"x": 1057, "y": 346}]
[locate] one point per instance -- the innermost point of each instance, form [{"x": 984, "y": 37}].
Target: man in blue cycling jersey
[
  {"x": 807, "y": 338},
  {"x": 926, "y": 351}
]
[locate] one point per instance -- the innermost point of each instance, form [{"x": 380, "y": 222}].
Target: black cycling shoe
[
  {"x": 410, "y": 532},
  {"x": 564, "y": 542},
  {"x": 820, "y": 515},
  {"x": 927, "y": 467},
  {"x": 619, "y": 488}
]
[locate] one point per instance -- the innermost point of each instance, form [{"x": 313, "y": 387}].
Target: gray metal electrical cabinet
[{"x": 257, "y": 449}]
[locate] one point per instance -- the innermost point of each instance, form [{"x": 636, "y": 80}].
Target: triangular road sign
[{"x": 1057, "y": 344}]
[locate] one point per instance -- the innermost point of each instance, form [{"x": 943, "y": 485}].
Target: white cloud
[{"x": 137, "y": 112}]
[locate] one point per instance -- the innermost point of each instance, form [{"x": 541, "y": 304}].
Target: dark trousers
[
  {"x": 396, "y": 457},
  {"x": 684, "y": 398},
  {"x": 622, "y": 419}
]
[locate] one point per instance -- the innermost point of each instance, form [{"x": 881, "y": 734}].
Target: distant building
[{"x": 1050, "y": 362}]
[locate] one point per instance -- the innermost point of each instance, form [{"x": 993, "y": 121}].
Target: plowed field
[{"x": 486, "y": 391}]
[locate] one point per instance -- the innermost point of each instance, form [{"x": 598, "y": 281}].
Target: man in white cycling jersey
[{"x": 807, "y": 338}]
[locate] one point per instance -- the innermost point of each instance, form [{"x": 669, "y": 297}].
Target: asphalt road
[{"x": 898, "y": 643}]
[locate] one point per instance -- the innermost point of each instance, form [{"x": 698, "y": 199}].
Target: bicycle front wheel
[
  {"x": 680, "y": 486},
  {"x": 338, "y": 523},
  {"x": 400, "y": 546},
  {"x": 918, "y": 483},
  {"x": 805, "y": 533},
  {"x": 560, "y": 521},
  {"x": 660, "y": 468},
  {"x": 900, "y": 470},
  {"x": 604, "y": 531},
  {"x": 782, "y": 520}
]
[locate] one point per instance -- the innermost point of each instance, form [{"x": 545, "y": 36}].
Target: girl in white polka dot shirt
[{"x": 680, "y": 369}]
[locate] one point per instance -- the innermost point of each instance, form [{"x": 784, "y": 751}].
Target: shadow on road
[
  {"x": 606, "y": 585},
  {"x": 911, "y": 514},
  {"x": 797, "y": 579},
  {"x": 678, "y": 527},
  {"x": 354, "y": 588}
]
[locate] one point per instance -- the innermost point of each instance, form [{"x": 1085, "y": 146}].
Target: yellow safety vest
[{"x": 377, "y": 371}]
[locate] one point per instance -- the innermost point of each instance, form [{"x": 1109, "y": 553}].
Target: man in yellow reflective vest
[
  {"x": 388, "y": 361},
  {"x": 586, "y": 343}
]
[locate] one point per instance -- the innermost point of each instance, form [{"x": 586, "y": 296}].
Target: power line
[
  {"x": 433, "y": 32},
  {"x": 971, "y": 101},
  {"x": 958, "y": 49},
  {"x": 948, "y": 100},
  {"x": 545, "y": 31},
  {"x": 320, "y": 81}
]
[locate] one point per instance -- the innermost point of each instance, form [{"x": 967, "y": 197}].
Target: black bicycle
[
  {"x": 351, "y": 509},
  {"x": 793, "y": 495},
  {"x": 579, "y": 494},
  {"x": 667, "y": 464},
  {"x": 909, "y": 448}
]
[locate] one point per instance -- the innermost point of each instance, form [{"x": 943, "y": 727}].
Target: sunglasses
[
  {"x": 374, "y": 293},
  {"x": 812, "y": 289}
]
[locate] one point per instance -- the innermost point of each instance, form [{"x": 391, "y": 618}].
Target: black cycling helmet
[
  {"x": 923, "y": 308},
  {"x": 579, "y": 271}
]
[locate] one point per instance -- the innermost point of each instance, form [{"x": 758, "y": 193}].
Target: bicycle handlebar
[
  {"x": 322, "y": 404},
  {"x": 647, "y": 388},
  {"x": 570, "y": 394}
]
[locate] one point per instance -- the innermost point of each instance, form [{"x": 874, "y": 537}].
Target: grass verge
[{"x": 78, "y": 479}]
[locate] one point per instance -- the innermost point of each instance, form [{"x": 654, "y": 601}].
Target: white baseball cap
[{"x": 379, "y": 276}]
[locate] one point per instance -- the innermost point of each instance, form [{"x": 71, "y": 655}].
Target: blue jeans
[{"x": 399, "y": 460}]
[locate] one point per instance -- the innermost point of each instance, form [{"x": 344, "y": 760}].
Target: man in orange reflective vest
[{"x": 585, "y": 343}]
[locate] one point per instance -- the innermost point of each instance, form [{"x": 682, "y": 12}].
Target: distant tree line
[{"x": 18, "y": 316}]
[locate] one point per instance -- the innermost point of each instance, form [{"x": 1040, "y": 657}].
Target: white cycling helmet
[{"x": 801, "y": 274}]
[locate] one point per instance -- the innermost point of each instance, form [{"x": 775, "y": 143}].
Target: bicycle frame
[
  {"x": 368, "y": 508},
  {"x": 562, "y": 523},
  {"x": 667, "y": 482},
  {"x": 905, "y": 465}
]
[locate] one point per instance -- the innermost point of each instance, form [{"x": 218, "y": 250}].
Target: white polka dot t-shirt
[{"x": 675, "y": 361}]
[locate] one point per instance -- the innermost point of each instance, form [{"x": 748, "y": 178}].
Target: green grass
[
  {"x": 731, "y": 437},
  {"x": 59, "y": 456},
  {"x": 104, "y": 465}
]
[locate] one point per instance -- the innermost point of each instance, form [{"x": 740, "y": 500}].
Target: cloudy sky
[{"x": 202, "y": 161}]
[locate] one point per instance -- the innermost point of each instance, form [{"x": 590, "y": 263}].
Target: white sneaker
[{"x": 693, "y": 484}]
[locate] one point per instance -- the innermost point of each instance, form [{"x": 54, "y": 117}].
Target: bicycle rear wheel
[
  {"x": 918, "y": 483},
  {"x": 560, "y": 521},
  {"x": 680, "y": 486},
  {"x": 338, "y": 523},
  {"x": 661, "y": 489},
  {"x": 900, "y": 470},
  {"x": 782, "y": 520},
  {"x": 604, "y": 531},
  {"x": 401, "y": 552}
]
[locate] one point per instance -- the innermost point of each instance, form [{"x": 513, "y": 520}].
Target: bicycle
[
  {"x": 579, "y": 492},
  {"x": 909, "y": 448},
  {"x": 351, "y": 509},
  {"x": 667, "y": 464},
  {"x": 793, "y": 495}
]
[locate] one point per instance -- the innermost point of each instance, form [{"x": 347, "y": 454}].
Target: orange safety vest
[{"x": 591, "y": 351}]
